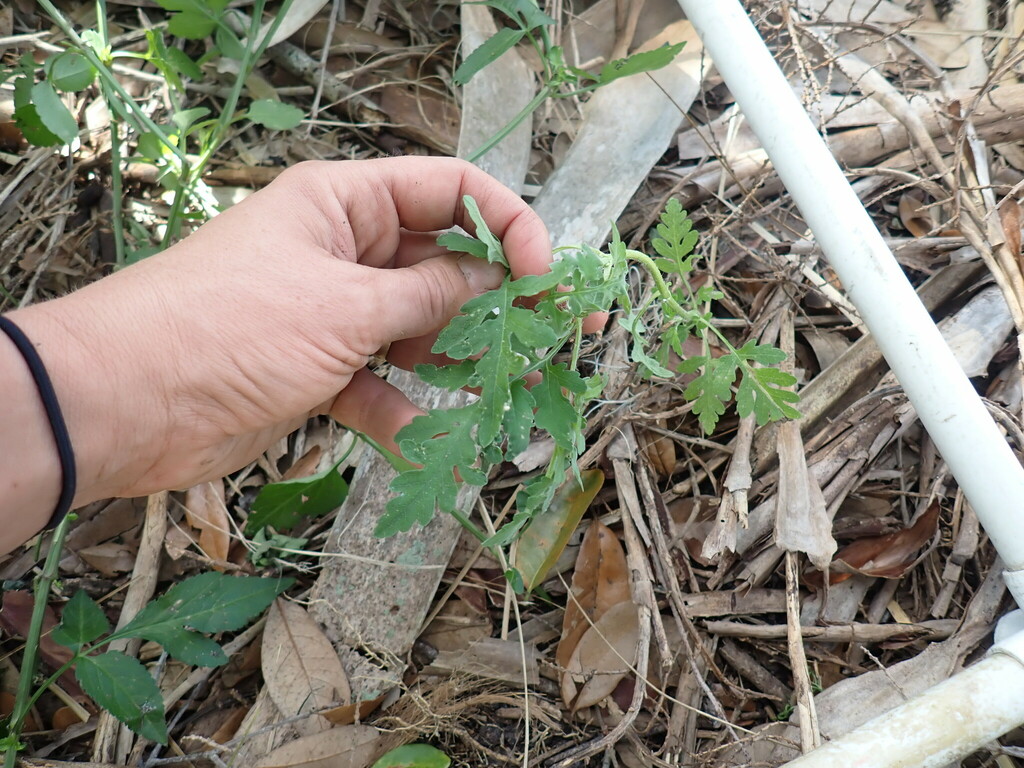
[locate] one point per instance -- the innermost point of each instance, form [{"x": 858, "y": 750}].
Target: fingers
[
  {"x": 377, "y": 198},
  {"x": 421, "y": 299},
  {"x": 374, "y": 407}
]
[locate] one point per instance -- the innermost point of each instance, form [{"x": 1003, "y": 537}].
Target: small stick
[{"x": 810, "y": 735}]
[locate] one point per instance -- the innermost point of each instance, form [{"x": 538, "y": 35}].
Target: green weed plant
[
  {"x": 507, "y": 335},
  {"x": 558, "y": 79},
  {"x": 182, "y": 145}
]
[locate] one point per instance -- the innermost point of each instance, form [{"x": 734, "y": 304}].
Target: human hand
[{"x": 188, "y": 365}]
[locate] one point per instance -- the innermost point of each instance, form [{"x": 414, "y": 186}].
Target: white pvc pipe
[
  {"x": 942, "y": 725},
  {"x": 950, "y": 409}
]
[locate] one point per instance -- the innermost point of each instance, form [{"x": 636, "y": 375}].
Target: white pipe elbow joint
[
  {"x": 1015, "y": 583},
  {"x": 1009, "y": 635}
]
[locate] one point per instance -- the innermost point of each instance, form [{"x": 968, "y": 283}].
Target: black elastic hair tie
[{"x": 53, "y": 413}]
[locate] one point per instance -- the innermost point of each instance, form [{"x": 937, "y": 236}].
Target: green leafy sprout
[
  {"x": 520, "y": 329},
  {"x": 182, "y": 146},
  {"x": 559, "y": 80},
  {"x": 180, "y": 621}
]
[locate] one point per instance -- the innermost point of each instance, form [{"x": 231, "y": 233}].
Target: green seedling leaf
[
  {"x": 491, "y": 50},
  {"x": 186, "y": 118},
  {"x": 53, "y": 114},
  {"x": 524, "y": 13},
  {"x": 95, "y": 40},
  {"x": 122, "y": 686},
  {"x": 209, "y": 602},
  {"x": 495, "y": 253},
  {"x": 275, "y": 115},
  {"x": 556, "y": 412},
  {"x": 187, "y": 646},
  {"x": 282, "y": 505},
  {"x": 81, "y": 622},
  {"x": 191, "y": 25},
  {"x": 31, "y": 126},
  {"x": 765, "y": 354},
  {"x": 460, "y": 243},
  {"x": 418, "y": 494},
  {"x": 150, "y": 147},
  {"x": 675, "y": 241},
  {"x": 228, "y": 44},
  {"x": 265, "y": 545},
  {"x": 182, "y": 63},
  {"x": 544, "y": 539},
  {"x": 414, "y": 756},
  {"x": 644, "y": 61},
  {"x": 762, "y": 393},
  {"x": 71, "y": 71},
  {"x": 450, "y": 377}
]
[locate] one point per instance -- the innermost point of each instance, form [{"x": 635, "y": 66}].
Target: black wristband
[{"x": 60, "y": 430}]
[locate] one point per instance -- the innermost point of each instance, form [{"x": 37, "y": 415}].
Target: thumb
[{"x": 423, "y": 297}]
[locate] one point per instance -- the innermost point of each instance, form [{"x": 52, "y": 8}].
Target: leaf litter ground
[{"x": 675, "y": 550}]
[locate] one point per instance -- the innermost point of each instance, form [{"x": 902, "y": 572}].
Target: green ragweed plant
[
  {"x": 558, "y": 79},
  {"x": 507, "y": 335}
]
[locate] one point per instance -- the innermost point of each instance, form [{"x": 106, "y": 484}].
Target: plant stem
[
  {"x": 116, "y": 213},
  {"x": 22, "y": 702},
  {"x": 125, "y": 105},
  {"x": 116, "y": 190},
  {"x": 510, "y": 126},
  {"x": 191, "y": 173}
]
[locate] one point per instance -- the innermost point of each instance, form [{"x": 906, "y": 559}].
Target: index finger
[{"x": 378, "y": 198}]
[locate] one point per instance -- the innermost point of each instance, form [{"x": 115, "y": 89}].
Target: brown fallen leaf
[
  {"x": 15, "y": 618},
  {"x": 232, "y": 719},
  {"x": 915, "y": 215},
  {"x": 346, "y": 714},
  {"x": 599, "y": 582},
  {"x": 456, "y": 627},
  {"x": 64, "y": 718},
  {"x": 110, "y": 558},
  {"x": 305, "y": 465},
  {"x": 602, "y": 658},
  {"x": 300, "y": 666},
  {"x": 206, "y": 511},
  {"x": 1009, "y": 217},
  {"x": 660, "y": 450},
  {"x": 888, "y": 556},
  {"x": 350, "y": 746}
]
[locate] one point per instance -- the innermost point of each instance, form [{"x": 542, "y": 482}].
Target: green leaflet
[
  {"x": 490, "y": 51},
  {"x": 209, "y": 602},
  {"x": 123, "y": 687},
  {"x": 414, "y": 756},
  {"x": 81, "y": 622},
  {"x": 645, "y": 61},
  {"x": 283, "y": 504}
]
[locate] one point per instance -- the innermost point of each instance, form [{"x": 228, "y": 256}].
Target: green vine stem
[
  {"x": 23, "y": 700},
  {"x": 511, "y": 125}
]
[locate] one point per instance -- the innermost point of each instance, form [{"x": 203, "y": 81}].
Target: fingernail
[{"x": 481, "y": 275}]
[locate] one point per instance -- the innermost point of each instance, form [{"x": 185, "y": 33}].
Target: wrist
[
  {"x": 30, "y": 471},
  {"x": 100, "y": 394}
]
